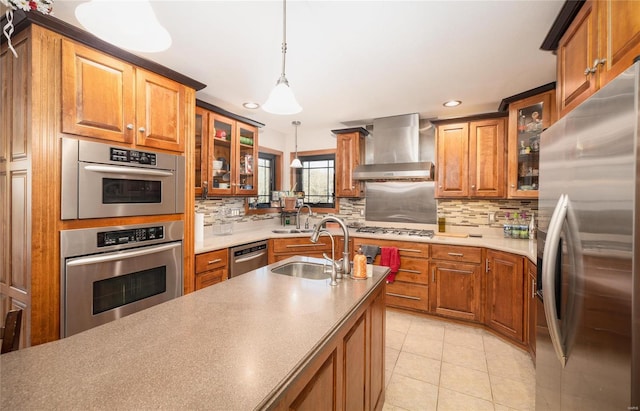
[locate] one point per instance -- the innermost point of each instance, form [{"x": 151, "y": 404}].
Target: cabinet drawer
[
  {"x": 300, "y": 245},
  {"x": 406, "y": 295},
  {"x": 412, "y": 270},
  {"x": 456, "y": 253},
  {"x": 405, "y": 248},
  {"x": 211, "y": 260},
  {"x": 210, "y": 277}
]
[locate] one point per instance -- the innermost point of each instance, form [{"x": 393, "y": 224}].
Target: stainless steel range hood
[{"x": 398, "y": 149}]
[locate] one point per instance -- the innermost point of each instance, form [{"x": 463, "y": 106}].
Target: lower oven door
[{"x": 103, "y": 287}]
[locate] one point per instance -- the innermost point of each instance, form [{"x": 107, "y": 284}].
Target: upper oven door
[
  {"x": 101, "y": 181},
  {"x": 117, "y": 191}
]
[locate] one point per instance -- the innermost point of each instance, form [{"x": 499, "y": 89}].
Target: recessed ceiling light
[
  {"x": 452, "y": 103},
  {"x": 250, "y": 105}
]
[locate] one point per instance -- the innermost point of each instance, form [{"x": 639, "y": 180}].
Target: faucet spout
[
  {"x": 306, "y": 224},
  {"x": 346, "y": 264}
]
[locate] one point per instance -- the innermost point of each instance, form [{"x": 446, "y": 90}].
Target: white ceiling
[{"x": 352, "y": 61}]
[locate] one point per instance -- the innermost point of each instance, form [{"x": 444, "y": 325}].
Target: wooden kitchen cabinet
[
  {"x": 600, "y": 43},
  {"x": 109, "y": 99},
  {"x": 228, "y": 155},
  {"x": 527, "y": 118},
  {"x": 349, "y": 154},
  {"x": 410, "y": 289},
  {"x": 530, "y": 308},
  {"x": 283, "y": 248},
  {"x": 456, "y": 282},
  {"x": 348, "y": 373},
  {"x": 504, "y": 311},
  {"x": 471, "y": 159},
  {"x": 211, "y": 268}
]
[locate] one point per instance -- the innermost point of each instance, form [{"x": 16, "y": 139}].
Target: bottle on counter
[
  {"x": 524, "y": 227},
  {"x": 507, "y": 226},
  {"x": 360, "y": 265},
  {"x": 515, "y": 226},
  {"x": 532, "y": 229}
]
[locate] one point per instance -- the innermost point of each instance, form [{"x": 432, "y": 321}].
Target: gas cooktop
[{"x": 396, "y": 231}]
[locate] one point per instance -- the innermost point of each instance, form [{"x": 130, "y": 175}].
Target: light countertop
[
  {"x": 250, "y": 232},
  {"x": 226, "y": 347}
]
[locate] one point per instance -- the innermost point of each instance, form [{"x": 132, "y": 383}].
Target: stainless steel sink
[
  {"x": 292, "y": 230},
  {"x": 311, "y": 271}
]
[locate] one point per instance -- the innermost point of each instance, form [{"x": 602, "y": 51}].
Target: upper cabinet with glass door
[
  {"x": 527, "y": 119},
  {"x": 228, "y": 153}
]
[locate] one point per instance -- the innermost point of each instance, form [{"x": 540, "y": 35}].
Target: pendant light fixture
[
  {"x": 281, "y": 99},
  {"x": 296, "y": 161},
  {"x": 132, "y": 25}
]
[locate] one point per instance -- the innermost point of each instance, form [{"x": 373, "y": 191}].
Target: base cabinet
[
  {"x": 505, "y": 303},
  {"x": 348, "y": 374},
  {"x": 530, "y": 308},
  {"x": 455, "y": 286},
  {"x": 211, "y": 268},
  {"x": 411, "y": 286}
]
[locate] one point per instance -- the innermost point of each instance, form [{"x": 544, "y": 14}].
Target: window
[
  {"x": 317, "y": 179},
  {"x": 269, "y": 180},
  {"x": 266, "y": 179}
]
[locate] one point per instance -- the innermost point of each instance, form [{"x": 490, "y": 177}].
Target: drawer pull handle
[
  {"x": 217, "y": 260},
  {"x": 410, "y": 271},
  {"x": 305, "y": 245},
  {"x": 456, "y": 254},
  {"x": 409, "y": 250},
  {"x": 408, "y": 297},
  {"x": 433, "y": 275}
]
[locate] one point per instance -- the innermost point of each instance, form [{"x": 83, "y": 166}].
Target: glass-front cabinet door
[
  {"x": 201, "y": 155},
  {"x": 247, "y": 160},
  {"x": 527, "y": 119},
  {"x": 222, "y": 155}
]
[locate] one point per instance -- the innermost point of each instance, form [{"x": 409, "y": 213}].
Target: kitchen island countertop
[{"x": 229, "y": 347}]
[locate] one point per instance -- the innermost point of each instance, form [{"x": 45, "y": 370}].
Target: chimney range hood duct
[{"x": 398, "y": 150}]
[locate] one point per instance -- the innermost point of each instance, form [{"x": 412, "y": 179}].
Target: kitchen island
[{"x": 258, "y": 341}]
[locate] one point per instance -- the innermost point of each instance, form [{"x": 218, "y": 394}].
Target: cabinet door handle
[
  {"x": 217, "y": 260},
  {"x": 408, "y": 297},
  {"x": 486, "y": 265},
  {"x": 533, "y": 288},
  {"x": 473, "y": 186},
  {"x": 141, "y": 129},
  {"x": 594, "y": 69},
  {"x": 129, "y": 126},
  {"x": 513, "y": 186},
  {"x": 456, "y": 254},
  {"x": 433, "y": 275}
]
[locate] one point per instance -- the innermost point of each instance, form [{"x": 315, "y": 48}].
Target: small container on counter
[{"x": 360, "y": 265}]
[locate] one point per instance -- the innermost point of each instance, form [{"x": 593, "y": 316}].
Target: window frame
[
  {"x": 294, "y": 181},
  {"x": 278, "y": 171}
]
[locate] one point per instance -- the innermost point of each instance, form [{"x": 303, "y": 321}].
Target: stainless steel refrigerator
[{"x": 588, "y": 306}]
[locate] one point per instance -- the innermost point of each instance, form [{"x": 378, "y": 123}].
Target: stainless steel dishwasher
[{"x": 246, "y": 257}]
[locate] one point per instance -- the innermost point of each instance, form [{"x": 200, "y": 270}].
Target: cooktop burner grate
[{"x": 396, "y": 231}]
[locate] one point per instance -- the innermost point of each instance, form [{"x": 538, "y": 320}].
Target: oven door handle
[
  {"x": 128, "y": 170},
  {"x": 253, "y": 257},
  {"x": 123, "y": 255}
]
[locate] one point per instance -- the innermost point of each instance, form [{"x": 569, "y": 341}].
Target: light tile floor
[{"x": 433, "y": 364}]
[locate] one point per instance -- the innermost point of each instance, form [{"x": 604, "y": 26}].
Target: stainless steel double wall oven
[{"x": 109, "y": 271}]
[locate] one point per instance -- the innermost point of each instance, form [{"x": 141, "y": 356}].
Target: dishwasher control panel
[{"x": 249, "y": 250}]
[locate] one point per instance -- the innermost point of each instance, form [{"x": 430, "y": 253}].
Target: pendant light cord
[{"x": 284, "y": 39}]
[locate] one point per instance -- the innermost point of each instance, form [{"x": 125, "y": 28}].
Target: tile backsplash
[{"x": 458, "y": 212}]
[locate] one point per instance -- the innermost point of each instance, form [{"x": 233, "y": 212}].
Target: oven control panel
[
  {"x": 137, "y": 235},
  {"x": 124, "y": 155}
]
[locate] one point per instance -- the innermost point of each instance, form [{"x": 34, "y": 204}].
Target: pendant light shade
[
  {"x": 130, "y": 25},
  {"x": 296, "y": 161},
  {"x": 281, "y": 99}
]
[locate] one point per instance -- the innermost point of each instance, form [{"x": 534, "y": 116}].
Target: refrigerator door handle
[{"x": 548, "y": 271}]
